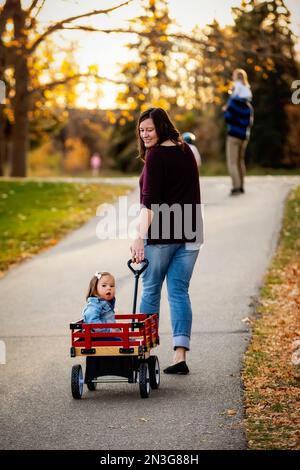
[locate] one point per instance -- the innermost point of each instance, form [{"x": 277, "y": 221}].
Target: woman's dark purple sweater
[{"x": 170, "y": 176}]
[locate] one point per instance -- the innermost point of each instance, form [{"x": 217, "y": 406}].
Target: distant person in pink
[{"x": 96, "y": 163}]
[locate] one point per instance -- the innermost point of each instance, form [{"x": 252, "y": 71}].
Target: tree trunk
[
  {"x": 2, "y": 126},
  {"x": 20, "y": 103},
  {"x": 20, "y": 127},
  {"x": 2, "y": 120},
  {"x": 2, "y": 141}
]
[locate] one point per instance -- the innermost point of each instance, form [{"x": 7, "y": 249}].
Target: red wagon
[{"x": 117, "y": 356}]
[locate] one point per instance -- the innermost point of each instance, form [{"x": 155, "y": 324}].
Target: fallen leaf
[
  {"x": 52, "y": 241},
  {"x": 231, "y": 412}
]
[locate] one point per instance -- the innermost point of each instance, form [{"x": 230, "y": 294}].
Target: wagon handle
[{"x": 137, "y": 273}]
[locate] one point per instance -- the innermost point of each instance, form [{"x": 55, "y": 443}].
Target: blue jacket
[
  {"x": 99, "y": 311},
  {"x": 239, "y": 117}
]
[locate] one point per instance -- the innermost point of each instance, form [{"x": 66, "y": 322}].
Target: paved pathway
[{"x": 41, "y": 296}]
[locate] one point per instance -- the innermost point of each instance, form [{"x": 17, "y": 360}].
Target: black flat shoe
[
  {"x": 236, "y": 191},
  {"x": 179, "y": 368}
]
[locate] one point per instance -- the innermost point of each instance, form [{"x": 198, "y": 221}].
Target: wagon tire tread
[
  {"x": 154, "y": 372},
  {"x": 76, "y": 382},
  {"x": 144, "y": 380}
]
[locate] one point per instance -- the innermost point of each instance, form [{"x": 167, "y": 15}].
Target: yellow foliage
[
  {"x": 111, "y": 117},
  {"x": 141, "y": 82},
  {"x": 222, "y": 88},
  {"x": 132, "y": 104},
  {"x": 9, "y": 42},
  {"x": 77, "y": 155},
  {"x": 162, "y": 103},
  {"x": 144, "y": 107},
  {"x": 44, "y": 160},
  {"x": 48, "y": 94},
  {"x": 93, "y": 69}
]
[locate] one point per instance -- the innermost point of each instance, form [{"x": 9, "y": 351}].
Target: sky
[{"x": 108, "y": 50}]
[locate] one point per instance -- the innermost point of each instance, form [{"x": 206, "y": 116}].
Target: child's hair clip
[{"x": 98, "y": 274}]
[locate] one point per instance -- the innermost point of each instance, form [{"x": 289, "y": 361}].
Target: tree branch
[
  {"x": 39, "y": 9},
  {"x": 63, "y": 81},
  {"x": 32, "y": 6},
  {"x": 60, "y": 24},
  {"x": 139, "y": 33},
  {"x": 5, "y": 12}
]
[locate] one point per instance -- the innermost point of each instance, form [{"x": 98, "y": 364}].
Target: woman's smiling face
[{"x": 148, "y": 133}]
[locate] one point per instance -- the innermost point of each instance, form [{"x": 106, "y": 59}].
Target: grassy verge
[
  {"x": 209, "y": 167},
  {"x": 35, "y": 215},
  {"x": 271, "y": 377},
  {"x": 104, "y": 173}
]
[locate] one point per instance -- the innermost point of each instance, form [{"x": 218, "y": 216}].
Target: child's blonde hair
[
  {"x": 92, "y": 291},
  {"x": 241, "y": 74}
]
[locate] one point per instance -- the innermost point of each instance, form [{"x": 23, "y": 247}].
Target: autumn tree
[
  {"x": 219, "y": 55},
  {"x": 21, "y": 36},
  {"x": 147, "y": 79},
  {"x": 49, "y": 105},
  {"x": 92, "y": 129},
  {"x": 205, "y": 68}
]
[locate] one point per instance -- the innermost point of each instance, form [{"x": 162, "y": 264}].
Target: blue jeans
[{"x": 175, "y": 262}]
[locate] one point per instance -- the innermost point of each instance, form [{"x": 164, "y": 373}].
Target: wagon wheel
[
  {"x": 154, "y": 372},
  {"x": 77, "y": 381},
  {"x": 144, "y": 380},
  {"x": 91, "y": 386}
]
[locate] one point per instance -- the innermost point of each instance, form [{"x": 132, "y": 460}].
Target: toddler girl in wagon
[{"x": 101, "y": 302}]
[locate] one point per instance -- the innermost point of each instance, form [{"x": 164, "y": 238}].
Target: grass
[
  {"x": 35, "y": 215},
  {"x": 104, "y": 173},
  {"x": 271, "y": 379},
  {"x": 210, "y": 167}
]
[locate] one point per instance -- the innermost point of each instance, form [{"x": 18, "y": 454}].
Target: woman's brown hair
[
  {"x": 164, "y": 128},
  {"x": 92, "y": 291}
]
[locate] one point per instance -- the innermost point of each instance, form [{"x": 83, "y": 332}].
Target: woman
[
  {"x": 170, "y": 225},
  {"x": 238, "y": 114}
]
